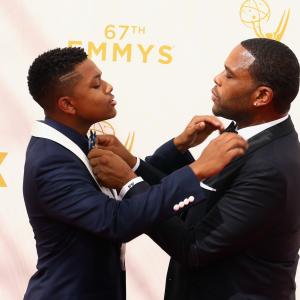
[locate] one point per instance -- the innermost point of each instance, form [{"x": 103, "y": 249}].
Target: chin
[
  {"x": 215, "y": 111},
  {"x": 112, "y": 115}
]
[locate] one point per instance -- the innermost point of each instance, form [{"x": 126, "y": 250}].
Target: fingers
[
  {"x": 231, "y": 140},
  {"x": 219, "y": 153},
  {"x": 110, "y": 169},
  {"x": 97, "y": 171},
  {"x": 204, "y": 125},
  {"x": 198, "y": 126},
  {"x": 234, "y": 153},
  {"x": 96, "y": 152},
  {"x": 209, "y": 120},
  {"x": 103, "y": 147},
  {"x": 230, "y": 145},
  {"x": 105, "y": 139}
]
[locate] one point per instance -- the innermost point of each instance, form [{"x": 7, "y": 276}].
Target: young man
[
  {"x": 242, "y": 242},
  {"x": 78, "y": 225}
]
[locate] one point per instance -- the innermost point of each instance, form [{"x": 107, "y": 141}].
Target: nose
[
  {"x": 109, "y": 88},
  {"x": 217, "y": 79}
]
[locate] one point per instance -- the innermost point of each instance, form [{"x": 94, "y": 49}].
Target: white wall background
[{"x": 155, "y": 100}]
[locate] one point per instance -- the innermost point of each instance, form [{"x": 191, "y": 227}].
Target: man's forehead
[
  {"x": 240, "y": 58},
  {"x": 86, "y": 70}
]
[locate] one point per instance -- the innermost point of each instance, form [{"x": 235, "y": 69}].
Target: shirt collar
[
  {"x": 249, "y": 132},
  {"x": 77, "y": 138}
]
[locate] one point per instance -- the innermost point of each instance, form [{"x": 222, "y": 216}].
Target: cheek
[
  {"x": 232, "y": 91},
  {"x": 96, "y": 99}
]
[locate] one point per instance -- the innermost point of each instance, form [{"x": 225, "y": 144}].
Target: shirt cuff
[
  {"x": 206, "y": 187},
  {"x": 128, "y": 186},
  {"x": 137, "y": 164}
]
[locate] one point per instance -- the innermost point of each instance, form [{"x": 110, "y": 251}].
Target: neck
[
  {"x": 80, "y": 127},
  {"x": 259, "y": 119}
]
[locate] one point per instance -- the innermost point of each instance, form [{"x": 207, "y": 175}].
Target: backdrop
[{"x": 160, "y": 56}]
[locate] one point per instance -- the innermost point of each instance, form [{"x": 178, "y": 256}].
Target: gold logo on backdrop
[
  {"x": 105, "y": 127},
  {"x": 2, "y": 182},
  {"x": 254, "y": 12},
  {"x": 118, "y": 45}
]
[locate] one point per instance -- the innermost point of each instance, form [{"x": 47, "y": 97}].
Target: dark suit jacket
[
  {"x": 243, "y": 241},
  {"x": 78, "y": 230}
]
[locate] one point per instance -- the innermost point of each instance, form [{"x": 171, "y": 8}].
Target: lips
[
  {"x": 113, "y": 102},
  {"x": 214, "y": 95}
]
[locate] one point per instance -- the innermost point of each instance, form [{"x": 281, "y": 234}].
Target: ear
[
  {"x": 263, "y": 96},
  {"x": 65, "y": 104}
]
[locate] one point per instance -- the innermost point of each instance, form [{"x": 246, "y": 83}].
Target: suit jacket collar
[
  {"x": 270, "y": 134},
  {"x": 250, "y": 131},
  {"x": 77, "y": 138}
]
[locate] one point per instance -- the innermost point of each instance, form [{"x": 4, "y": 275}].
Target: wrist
[
  {"x": 197, "y": 170},
  {"x": 131, "y": 161},
  {"x": 180, "y": 144},
  {"x": 129, "y": 185},
  {"x": 131, "y": 175},
  {"x": 127, "y": 178}
]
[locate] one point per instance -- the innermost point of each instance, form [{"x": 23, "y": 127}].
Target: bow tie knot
[{"x": 232, "y": 127}]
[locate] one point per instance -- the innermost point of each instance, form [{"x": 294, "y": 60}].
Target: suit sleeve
[
  {"x": 149, "y": 173},
  {"x": 168, "y": 159},
  {"x": 66, "y": 192},
  {"x": 164, "y": 161},
  {"x": 245, "y": 212}
]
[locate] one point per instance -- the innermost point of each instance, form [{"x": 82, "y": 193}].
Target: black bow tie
[
  {"x": 231, "y": 128},
  {"x": 92, "y": 139}
]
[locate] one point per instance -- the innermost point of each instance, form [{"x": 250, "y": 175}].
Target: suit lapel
[
  {"x": 221, "y": 181},
  {"x": 259, "y": 140}
]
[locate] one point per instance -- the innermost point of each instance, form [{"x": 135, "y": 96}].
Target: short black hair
[
  {"x": 45, "y": 71},
  {"x": 275, "y": 66}
]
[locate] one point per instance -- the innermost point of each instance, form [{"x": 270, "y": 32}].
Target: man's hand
[
  {"x": 111, "y": 143},
  {"x": 219, "y": 152},
  {"x": 110, "y": 169},
  {"x": 197, "y": 131}
]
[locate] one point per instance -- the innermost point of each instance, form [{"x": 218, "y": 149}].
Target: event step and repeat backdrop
[{"x": 160, "y": 56}]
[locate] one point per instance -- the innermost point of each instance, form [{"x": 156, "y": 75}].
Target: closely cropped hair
[
  {"x": 47, "y": 68},
  {"x": 277, "y": 67}
]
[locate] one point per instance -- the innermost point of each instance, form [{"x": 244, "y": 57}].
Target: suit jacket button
[
  {"x": 191, "y": 198},
  {"x": 176, "y": 207},
  {"x": 186, "y": 201}
]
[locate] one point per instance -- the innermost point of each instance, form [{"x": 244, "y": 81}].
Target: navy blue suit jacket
[
  {"x": 78, "y": 230},
  {"x": 242, "y": 242}
]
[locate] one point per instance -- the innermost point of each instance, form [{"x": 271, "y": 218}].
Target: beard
[
  {"x": 239, "y": 114},
  {"x": 222, "y": 112}
]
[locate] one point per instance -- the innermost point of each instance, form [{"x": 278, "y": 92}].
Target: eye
[
  {"x": 96, "y": 85},
  {"x": 228, "y": 75}
]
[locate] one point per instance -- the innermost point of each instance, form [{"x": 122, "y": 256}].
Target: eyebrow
[
  {"x": 229, "y": 70},
  {"x": 97, "y": 76}
]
